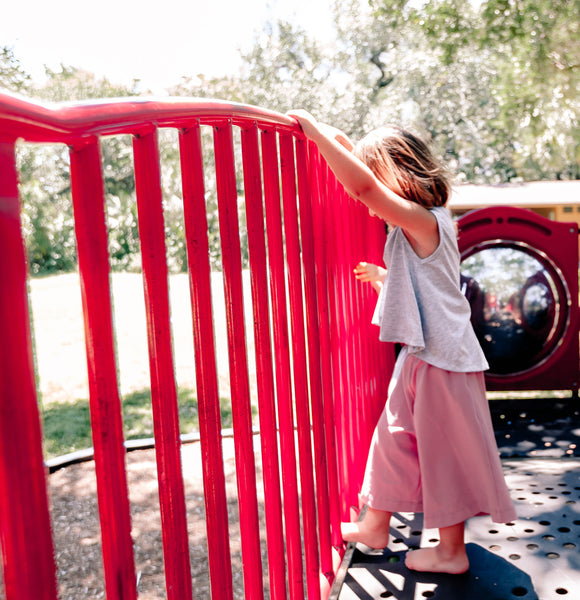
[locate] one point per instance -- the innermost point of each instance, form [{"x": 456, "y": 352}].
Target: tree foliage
[{"x": 493, "y": 85}]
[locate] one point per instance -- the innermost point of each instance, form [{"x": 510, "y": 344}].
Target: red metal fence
[{"x": 321, "y": 373}]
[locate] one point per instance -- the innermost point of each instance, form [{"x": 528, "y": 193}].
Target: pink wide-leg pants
[{"x": 434, "y": 451}]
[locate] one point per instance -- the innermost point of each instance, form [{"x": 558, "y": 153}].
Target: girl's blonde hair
[{"x": 405, "y": 164}]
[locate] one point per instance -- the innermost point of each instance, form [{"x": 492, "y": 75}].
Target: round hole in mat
[
  {"x": 393, "y": 559},
  {"x": 428, "y": 594},
  {"x": 536, "y": 493},
  {"x": 401, "y": 526},
  {"x": 510, "y": 524},
  {"x": 532, "y": 546},
  {"x": 434, "y": 540},
  {"x": 495, "y": 547},
  {"x": 386, "y": 594},
  {"x": 569, "y": 545},
  {"x": 564, "y": 529},
  {"x": 529, "y": 530},
  {"x": 548, "y": 538},
  {"x": 515, "y": 556},
  {"x": 493, "y": 531},
  {"x": 398, "y": 541},
  {"x": 545, "y": 523},
  {"x": 552, "y": 555},
  {"x": 519, "y": 591},
  {"x": 416, "y": 532},
  {"x": 512, "y": 539},
  {"x": 561, "y": 591},
  {"x": 577, "y": 522}
]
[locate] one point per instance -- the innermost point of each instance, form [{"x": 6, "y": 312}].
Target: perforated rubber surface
[{"x": 535, "y": 558}]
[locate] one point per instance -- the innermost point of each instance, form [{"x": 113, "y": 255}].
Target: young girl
[{"x": 433, "y": 449}]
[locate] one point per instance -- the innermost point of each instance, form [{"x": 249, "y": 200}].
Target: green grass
[{"x": 67, "y": 426}]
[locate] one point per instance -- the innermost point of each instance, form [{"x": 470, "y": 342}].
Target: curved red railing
[{"x": 320, "y": 370}]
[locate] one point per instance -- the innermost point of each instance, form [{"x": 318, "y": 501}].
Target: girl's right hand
[
  {"x": 311, "y": 127},
  {"x": 307, "y": 122}
]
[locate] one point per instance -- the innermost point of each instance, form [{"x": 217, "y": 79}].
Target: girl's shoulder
[{"x": 444, "y": 218}]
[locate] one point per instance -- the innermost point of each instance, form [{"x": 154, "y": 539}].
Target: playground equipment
[
  {"x": 520, "y": 273},
  {"x": 321, "y": 372}
]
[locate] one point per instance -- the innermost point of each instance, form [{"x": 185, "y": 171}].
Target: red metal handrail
[{"x": 321, "y": 373}]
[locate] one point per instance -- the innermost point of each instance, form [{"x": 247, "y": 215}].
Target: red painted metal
[
  {"x": 282, "y": 354},
  {"x": 324, "y": 362},
  {"x": 67, "y": 123},
  {"x": 311, "y": 216},
  {"x": 163, "y": 389},
  {"x": 301, "y": 392},
  {"x": 239, "y": 382},
  {"x": 559, "y": 243},
  {"x": 29, "y": 570},
  {"x": 314, "y": 358},
  {"x": 342, "y": 398},
  {"x": 106, "y": 420},
  {"x": 216, "y": 507},
  {"x": 265, "y": 375}
]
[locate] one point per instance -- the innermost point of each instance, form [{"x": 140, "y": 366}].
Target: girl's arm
[{"x": 360, "y": 183}]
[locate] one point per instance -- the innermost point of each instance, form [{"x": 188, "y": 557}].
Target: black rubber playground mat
[{"x": 545, "y": 427}]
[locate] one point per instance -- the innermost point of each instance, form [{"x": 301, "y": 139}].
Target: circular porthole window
[{"x": 519, "y": 301}]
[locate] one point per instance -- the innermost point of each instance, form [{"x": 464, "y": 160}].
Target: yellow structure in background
[{"x": 556, "y": 200}]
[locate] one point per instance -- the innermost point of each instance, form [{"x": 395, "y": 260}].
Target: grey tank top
[{"x": 421, "y": 304}]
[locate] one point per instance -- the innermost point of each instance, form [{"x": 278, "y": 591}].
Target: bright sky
[{"x": 157, "y": 42}]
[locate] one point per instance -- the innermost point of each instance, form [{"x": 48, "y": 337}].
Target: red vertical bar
[
  {"x": 317, "y": 188},
  {"x": 25, "y": 535},
  {"x": 347, "y": 226},
  {"x": 216, "y": 508},
  {"x": 163, "y": 390},
  {"x": 264, "y": 373},
  {"x": 91, "y": 234},
  {"x": 299, "y": 366},
  {"x": 282, "y": 353},
  {"x": 239, "y": 383},
  {"x": 321, "y": 461},
  {"x": 341, "y": 400},
  {"x": 344, "y": 320}
]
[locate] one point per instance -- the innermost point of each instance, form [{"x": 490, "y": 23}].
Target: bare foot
[
  {"x": 436, "y": 560},
  {"x": 373, "y": 530}
]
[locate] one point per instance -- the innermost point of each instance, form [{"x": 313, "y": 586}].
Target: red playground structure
[{"x": 321, "y": 373}]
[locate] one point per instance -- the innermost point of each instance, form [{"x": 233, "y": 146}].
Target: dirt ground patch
[{"x": 77, "y": 535}]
